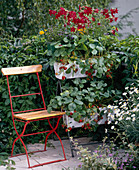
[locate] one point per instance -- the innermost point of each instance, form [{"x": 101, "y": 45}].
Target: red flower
[
  {"x": 96, "y": 10},
  {"x": 63, "y": 125},
  {"x": 52, "y": 12},
  {"x": 104, "y": 11},
  {"x": 86, "y": 72},
  {"x": 70, "y": 128},
  {"x": 88, "y": 124},
  {"x": 63, "y": 77},
  {"x": 89, "y": 74},
  {"x": 80, "y": 120},
  {"x": 116, "y": 29},
  {"x": 107, "y": 15},
  {"x": 98, "y": 23},
  {"x": 111, "y": 19},
  {"x": 93, "y": 19},
  {"x": 88, "y": 10},
  {"x": 80, "y": 8},
  {"x": 72, "y": 29},
  {"x": 71, "y": 113},
  {"x": 113, "y": 32},
  {"x": 115, "y": 19}
]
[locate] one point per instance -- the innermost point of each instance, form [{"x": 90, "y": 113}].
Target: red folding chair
[{"x": 28, "y": 116}]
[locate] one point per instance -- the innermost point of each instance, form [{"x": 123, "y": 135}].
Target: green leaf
[
  {"x": 92, "y": 46},
  {"x": 72, "y": 106},
  {"x": 101, "y": 61},
  {"x": 100, "y": 70},
  {"x": 65, "y": 40},
  {"x": 78, "y": 102},
  {"x": 49, "y": 109},
  {"x": 99, "y": 48},
  {"x": 94, "y": 52},
  {"x": 68, "y": 71}
]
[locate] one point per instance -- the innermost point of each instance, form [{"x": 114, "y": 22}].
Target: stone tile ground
[{"x": 53, "y": 152}]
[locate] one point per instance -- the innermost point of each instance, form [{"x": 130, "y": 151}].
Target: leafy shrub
[{"x": 22, "y": 52}]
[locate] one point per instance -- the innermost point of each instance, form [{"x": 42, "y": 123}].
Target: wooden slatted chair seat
[{"x": 37, "y": 115}]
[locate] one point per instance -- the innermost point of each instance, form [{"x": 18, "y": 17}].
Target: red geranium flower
[
  {"x": 88, "y": 10},
  {"x": 115, "y": 19},
  {"x": 93, "y": 18},
  {"x": 96, "y": 10},
  {"x": 116, "y": 29},
  {"x": 111, "y": 19},
  {"x": 113, "y": 32},
  {"x": 72, "y": 29},
  {"x": 52, "y": 12}
]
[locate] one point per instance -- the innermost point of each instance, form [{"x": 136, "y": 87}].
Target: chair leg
[
  {"x": 54, "y": 130},
  {"x": 19, "y": 137}
]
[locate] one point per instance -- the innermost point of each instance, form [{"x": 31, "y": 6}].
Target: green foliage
[
  {"x": 108, "y": 157},
  {"x": 127, "y": 115},
  {"x": 23, "y": 52},
  {"x": 26, "y": 17},
  {"x": 8, "y": 163},
  {"x": 83, "y": 98},
  {"x": 128, "y": 52}
]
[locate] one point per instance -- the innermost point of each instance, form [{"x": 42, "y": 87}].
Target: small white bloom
[
  {"x": 128, "y": 118},
  {"x": 120, "y": 119},
  {"x": 112, "y": 127},
  {"x": 124, "y": 93},
  {"x": 106, "y": 130},
  {"x": 126, "y": 88},
  {"x": 133, "y": 115},
  {"x": 133, "y": 119},
  {"x": 116, "y": 122}
]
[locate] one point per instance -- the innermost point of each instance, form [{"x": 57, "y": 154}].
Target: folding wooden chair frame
[{"x": 28, "y": 116}]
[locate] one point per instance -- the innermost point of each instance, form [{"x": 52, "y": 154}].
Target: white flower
[
  {"x": 128, "y": 118},
  {"x": 133, "y": 115},
  {"x": 124, "y": 93},
  {"x": 116, "y": 122},
  {"x": 106, "y": 130},
  {"x": 120, "y": 119},
  {"x": 126, "y": 88},
  {"x": 112, "y": 127},
  {"x": 133, "y": 119},
  {"x": 112, "y": 117}
]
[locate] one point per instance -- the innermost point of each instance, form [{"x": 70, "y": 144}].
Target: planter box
[
  {"x": 70, "y": 122},
  {"x": 72, "y": 74}
]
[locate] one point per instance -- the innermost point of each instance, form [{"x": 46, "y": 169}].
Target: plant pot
[
  {"x": 70, "y": 122},
  {"x": 69, "y": 71}
]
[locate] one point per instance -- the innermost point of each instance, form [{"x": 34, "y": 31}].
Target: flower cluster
[
  {"x": 106, "y": 157},
  {"x": 87, "y": 18},
  {"x": 125, "y": 113}
]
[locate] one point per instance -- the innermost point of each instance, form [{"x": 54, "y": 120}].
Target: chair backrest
[
  {"x": 21, "y": 70},
  {"x": 24, "y": 70}
]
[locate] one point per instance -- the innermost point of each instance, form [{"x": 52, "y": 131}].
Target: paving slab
[{"x": 53, "y": 152}]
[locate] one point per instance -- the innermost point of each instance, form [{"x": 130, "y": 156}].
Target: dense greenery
[
  {"x": 19, "y": 52},
  {"x": 27, "y": 52},
  {"x": 27, "y": 17}
]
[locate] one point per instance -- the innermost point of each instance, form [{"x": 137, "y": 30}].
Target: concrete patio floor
[{"x": 54, "y": 152}]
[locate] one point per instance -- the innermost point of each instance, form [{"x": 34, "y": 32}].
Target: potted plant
[
  {"x": 81, "y": 40},
  {"x": 85, "y": 102}
]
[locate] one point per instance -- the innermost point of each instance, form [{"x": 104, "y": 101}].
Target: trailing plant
[
  {"x": 108, "y": 157},
  {"x": 82, "y": 100}
]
